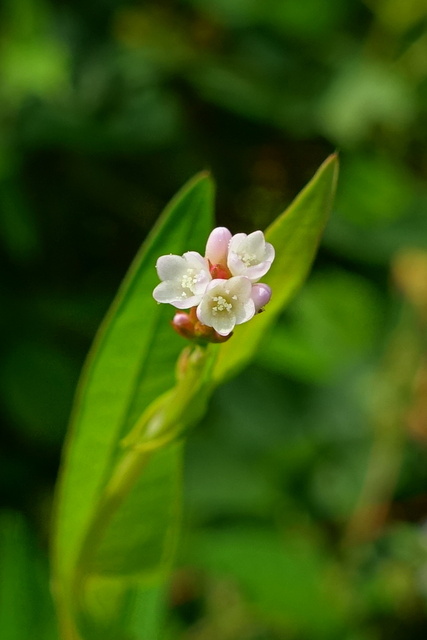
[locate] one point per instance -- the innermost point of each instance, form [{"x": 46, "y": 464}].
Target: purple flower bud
[{"x": 261, "y": 295}]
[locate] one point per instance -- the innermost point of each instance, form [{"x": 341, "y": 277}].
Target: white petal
[
  {"x": 270, "y": 253},
  {"x": 217, "y": 282},
  {"x": 167, "y": 291},
  {"x": 235, "y": 264},
  {"x": 204, "y": 312},
  {"x": 203, "y": 279},
  {"x": 240, "y": 286},
  {"x": 195, "y": 260},
  {"x": 236, "y": 241},
  {"x": 186, "y": 303},
  {"x": 257, "y": 271},
  {"x": 255, "y": 243},
  {"x": 169, "y": 267},
  {"x": 245, "y": 312},
  {"x": 224, "y": 324},
  {"x": 171, "y": 292}
]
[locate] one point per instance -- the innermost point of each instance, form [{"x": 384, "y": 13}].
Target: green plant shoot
[{"x": 118, "y": 498}]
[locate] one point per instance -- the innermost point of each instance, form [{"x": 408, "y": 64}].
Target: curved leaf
[
  {"x": 131, "y": 363},
  {"x": 295, "y": 235}
]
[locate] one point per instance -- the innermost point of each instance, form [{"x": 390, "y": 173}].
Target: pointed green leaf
[
  {"x": 132, "y": 362},
  {"x": 295, "y": 235}
]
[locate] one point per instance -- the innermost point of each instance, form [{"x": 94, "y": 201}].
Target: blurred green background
[{"x": 306, "y": 487}]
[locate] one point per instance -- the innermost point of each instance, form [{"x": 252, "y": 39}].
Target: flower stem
[{"x": 162, "y": 422}]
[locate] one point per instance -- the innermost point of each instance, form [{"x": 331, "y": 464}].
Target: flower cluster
[{"x": 220, "y": 289}]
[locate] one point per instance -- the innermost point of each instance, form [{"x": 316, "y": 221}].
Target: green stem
[
  {"x": 178, "y": 408},
  {"x": 126, "y": 473},
  {"x": 164, "y": 421}
]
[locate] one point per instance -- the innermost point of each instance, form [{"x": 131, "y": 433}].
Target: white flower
[
  {"x": 250, "y": 255},
  {"x": 226, "y": 303},
  {"x": 185, "y": 279},
  {"x": 220, "y": 289}
]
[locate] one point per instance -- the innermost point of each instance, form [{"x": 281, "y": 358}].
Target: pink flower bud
[
  {"x": 217, "y": 246},
  {"x": 183, "y": 324},
  {"x": 261, "y": 295},
  {"x": 188, "y": 326}
]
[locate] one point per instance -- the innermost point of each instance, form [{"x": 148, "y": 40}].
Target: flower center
[
  {"x": 188, "y": 281},
  {"x": 222, "y": 304},
  {"x": 248, "y": 259}
]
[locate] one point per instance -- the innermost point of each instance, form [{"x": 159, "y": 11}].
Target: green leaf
[
  {"x": 285, "y": 580},
  {"x": 132, "y": 362},
  {"x": 26, "y": 609},
  {"x": 295, "y": 235}
]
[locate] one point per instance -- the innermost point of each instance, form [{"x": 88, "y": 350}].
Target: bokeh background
[{"x": 306, "y": 487}]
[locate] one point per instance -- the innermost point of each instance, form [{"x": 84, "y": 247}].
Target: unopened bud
[
  {"x": 217, "y": 246},
  {"x": 261, "y": 295},
  {"x": 183, "y": 325},
  {"x": 188, "y": 326}
]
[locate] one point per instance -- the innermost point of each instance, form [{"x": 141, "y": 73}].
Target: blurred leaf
[
  {"x": 237, "y": 90},
  {"x": 232, "y": 12},
  {"x": 37, "y": 383},
  {"x": 132, "y": 362},
  {"x": 396, "y": 571},
  {"x": 33, "y": 61},
  {"x": 295, "y": 236},
  {"x": 34, "y": 68},
  {"x": 26, "y": 610},
  {"x": 291, "y": 581},
  {"x": 399, "y": 16},
  {"x": 332, "y": 324},
  {"x": 377, "y": 243},
  {"x": 364, "y": 95},
  {"x": 19, "y": 234},
  {"x": 288, "y": 17},
  {"x": 236, "y": 491},
  {"x": 375, "y": 191}
]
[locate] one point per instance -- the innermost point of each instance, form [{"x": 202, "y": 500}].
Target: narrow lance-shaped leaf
[
  {"x": 131, "y": 363},
  {"x": 295, "y": 235}
]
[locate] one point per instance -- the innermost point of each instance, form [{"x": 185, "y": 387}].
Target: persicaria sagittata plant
[{"x": 221, "y": 289}]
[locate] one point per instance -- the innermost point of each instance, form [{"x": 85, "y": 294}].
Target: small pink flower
[
  {"x": 221, "y": 289},
  {"x": 185, "y": 279},
  {"x": 250, "y": 255},
  {"x": 226, "y": 303}
]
